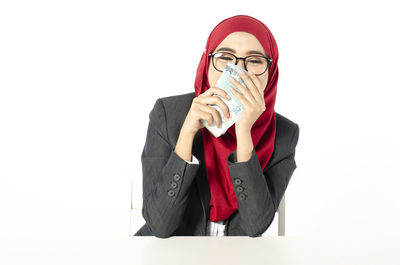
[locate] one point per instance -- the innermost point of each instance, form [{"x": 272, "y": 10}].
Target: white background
[{"x": 79, "y": 78}]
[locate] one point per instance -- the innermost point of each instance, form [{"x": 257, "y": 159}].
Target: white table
[{"x": 274, "y": 250}]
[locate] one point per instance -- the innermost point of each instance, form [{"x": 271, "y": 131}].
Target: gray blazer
[{"x": 176, "y": 195}]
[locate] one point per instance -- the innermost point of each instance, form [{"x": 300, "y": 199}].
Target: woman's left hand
[{"x": 252, "y": 100}]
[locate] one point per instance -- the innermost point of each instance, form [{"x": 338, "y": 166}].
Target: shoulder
[
  {"x": 286, "y": 138},
  {"x": 177, "y": 103},
  {"x": 173, "y": 107},
  {"x": 176, "y": 107},
  {"x": 286, "y": 131},
  {"x": 169, "y": 113}
]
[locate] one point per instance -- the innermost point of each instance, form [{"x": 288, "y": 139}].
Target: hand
[
  {"x": 200, "y": 110},
  {"x": 252, "y": 100}
]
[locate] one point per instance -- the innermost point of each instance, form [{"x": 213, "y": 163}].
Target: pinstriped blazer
[{"x": 176, "y": 194}]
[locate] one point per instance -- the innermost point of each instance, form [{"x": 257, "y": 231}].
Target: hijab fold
[{"x": 223, "y": 199}]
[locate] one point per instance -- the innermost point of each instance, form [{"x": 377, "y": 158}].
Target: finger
[
  {"x": 242, "y": 98},
  {"x": 247, "y": 95},
  {"x": 246, "y": 79},
  {"x": 215, "y": 114},
  {"x": 215, "y": 90},
  {"x": 255, "y": 91},
  {"x": 217, "y": 101},
  {"x": 256, "y": 80},
  {"x": 204, "y": 115}
]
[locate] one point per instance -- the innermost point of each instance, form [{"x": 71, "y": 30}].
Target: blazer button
[
  {"x": 239, "y": 189},
  {"x": 171, "y": 193},
  {"x": 174, "y": 184},
  {"x": 242, "y": 196},
  {"x": 238, "y": 181},
  {"x": 177, "y": 177}
]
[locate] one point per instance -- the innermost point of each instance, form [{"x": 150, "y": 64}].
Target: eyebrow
[{"x": 248, "y": 52}]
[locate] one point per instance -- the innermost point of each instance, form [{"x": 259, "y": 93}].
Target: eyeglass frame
[{"x": 269, "y": 60}]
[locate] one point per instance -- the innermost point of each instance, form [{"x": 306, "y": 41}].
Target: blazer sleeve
[
  {"x": 259, "y": 191},
  {"x": 166, "y": 177}
]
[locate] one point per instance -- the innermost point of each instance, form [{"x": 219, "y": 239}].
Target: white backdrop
[{"x": 79, "y": 78}]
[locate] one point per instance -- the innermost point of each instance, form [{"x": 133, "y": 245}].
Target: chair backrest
[{"x": 281, "y": 217}]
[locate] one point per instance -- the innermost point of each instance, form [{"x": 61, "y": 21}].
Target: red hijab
[{"x": 223, "y": 199}]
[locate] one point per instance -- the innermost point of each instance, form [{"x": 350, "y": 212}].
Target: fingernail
[{"x": 228, "y": 97}]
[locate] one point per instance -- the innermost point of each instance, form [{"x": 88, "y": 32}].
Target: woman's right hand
[{"x": 200, "y": 110}]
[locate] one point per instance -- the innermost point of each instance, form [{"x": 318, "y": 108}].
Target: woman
[{"x": 197, "y": 185}]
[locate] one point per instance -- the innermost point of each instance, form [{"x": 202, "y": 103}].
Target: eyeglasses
[{"x": 254, "y": 63}]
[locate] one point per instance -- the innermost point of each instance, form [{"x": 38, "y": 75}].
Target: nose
[{"x": 240, "y": 62}]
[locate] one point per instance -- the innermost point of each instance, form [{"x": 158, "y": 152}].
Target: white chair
[{"x": 281, "y": 217}]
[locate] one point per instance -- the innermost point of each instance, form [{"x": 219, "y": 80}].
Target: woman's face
[{"x": 241, "y": 43}]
